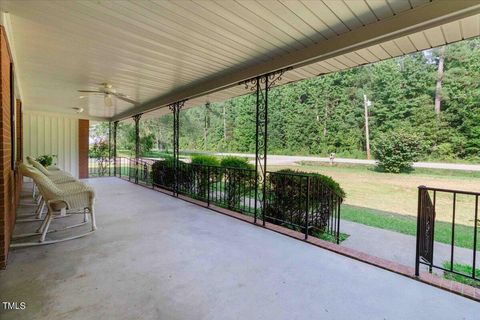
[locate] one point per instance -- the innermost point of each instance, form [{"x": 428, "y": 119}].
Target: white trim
[
  {"x": 63, "y": 115},
  {"x": 7, "y": 25}
]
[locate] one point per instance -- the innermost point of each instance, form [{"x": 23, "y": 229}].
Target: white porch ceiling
[{"x": 156, "y": 51}]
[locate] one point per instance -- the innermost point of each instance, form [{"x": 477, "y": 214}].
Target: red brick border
[{"x": 425, "y": 277}]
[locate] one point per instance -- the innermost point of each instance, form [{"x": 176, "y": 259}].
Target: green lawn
[
  {"x": 462, "y": 268},
  {"x": 361, "y": 168},
  {"x": 406, "y": 224},
  {"x": 398, "y": 193}
]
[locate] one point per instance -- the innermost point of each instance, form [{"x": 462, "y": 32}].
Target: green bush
[
  {"x": 326, "y": 180},
  {"x": 396, "y": 150},
  {"x": 46, "y": 160},
  {"x": 163, "y": 173},
  {"x": 287, "y": 201},
  {"x": 205, "y": 177},
  {"x": 205, "y": 160},
  {"x": 147, "y": 142},
  {"x": 238, "y": 178},
  {"x": 236, "y": 162},
  {"x": 99, "y": 151}
]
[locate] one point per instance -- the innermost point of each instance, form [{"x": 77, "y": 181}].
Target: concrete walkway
[
  {"x": 157, "y": 257},
  {"x": 396, "y": 246}
]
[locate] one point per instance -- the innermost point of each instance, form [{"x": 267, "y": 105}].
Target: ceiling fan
[{"x": 109, "y": 92}]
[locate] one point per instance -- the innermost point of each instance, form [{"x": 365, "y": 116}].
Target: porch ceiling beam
[{"x": 420, "y": 18}]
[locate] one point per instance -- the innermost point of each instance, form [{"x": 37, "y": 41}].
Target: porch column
[
  {"x": 175, "y": 108},
  {"x": 109, "y": 148},
  {"x": 83, "y": 158},
  {"x": 261, "y": 85},
  {"x": 115, "y": 127},
  {"x": 136, "y": 118}
]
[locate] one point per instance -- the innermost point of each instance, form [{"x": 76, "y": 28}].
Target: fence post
[
  {"x": 208, "y": 186},
  {"x": 129, "y": 167},
  {"x": 307, "y": 208},
  {"x": 419, "y": 212},
  {"x": 115, "y": 128},
  {"x": 136, "y": 118},
  {"x": 339, "y": 205}
]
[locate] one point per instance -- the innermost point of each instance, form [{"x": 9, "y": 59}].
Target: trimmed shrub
[
  {"x": 205, "y": 160},
  {"x": 238, "y": 178},
  {"x": 236, "y": 162},
  {"x": 287, "y": 192},
  {"x": 163, "y": 174},
  {"x": 328, "y": 181},
  {"x": 204, "y": 176},
  {"x": 396, "y": 151}
]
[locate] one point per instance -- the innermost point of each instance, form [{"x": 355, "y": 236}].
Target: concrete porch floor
[{"x": 157, "y": 257}]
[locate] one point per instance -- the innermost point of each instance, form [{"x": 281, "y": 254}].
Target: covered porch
[{"x": 158, "y": 257}]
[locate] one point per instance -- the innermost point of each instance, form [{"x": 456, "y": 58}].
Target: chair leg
[
  {"x": 85, "y": 215},
  {"x": 48, "y": 219},
  {"x": 44, "y": 222},
  {"x": 40, "y": 208},
  {"x": 94, "y": 223}
]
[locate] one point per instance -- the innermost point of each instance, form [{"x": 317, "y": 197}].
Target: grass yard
[
  {"x": 407, "y": 224},
  {"x": 398, "y": 193},
  {"x": 464, "y": 269}
]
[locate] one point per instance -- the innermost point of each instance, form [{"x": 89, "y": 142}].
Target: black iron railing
[
  {"x": 302, "y": 202},
  {"x": 297, "y": 201},
  {"x": 428, "y": 208}
]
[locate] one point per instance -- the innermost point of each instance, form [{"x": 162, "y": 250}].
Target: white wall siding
[{"x": 50, "y": 133}]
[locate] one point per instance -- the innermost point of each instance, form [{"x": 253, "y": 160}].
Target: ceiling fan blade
[
  {"x": 125, "y": 98},
  {"x": 90, "y": 91}
]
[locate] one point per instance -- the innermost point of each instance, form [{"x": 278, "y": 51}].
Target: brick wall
[
  {"x": 83, "y": 133},
  {"x": 7, "y": 176},
  {"x": 19, "y": 148}
]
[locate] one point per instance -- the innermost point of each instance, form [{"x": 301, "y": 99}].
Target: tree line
[{"x": 434, "y": 94}]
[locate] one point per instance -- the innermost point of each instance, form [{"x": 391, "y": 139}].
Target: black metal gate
[
  {"x": 430, "y": 202},
  {"x": 425, "y": 228}
]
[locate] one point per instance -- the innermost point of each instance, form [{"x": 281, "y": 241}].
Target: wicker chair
[
  {"x": 57, "y": 176},
  {"x": 69, "y": 186},
  {"x": 73, "y": 196}
]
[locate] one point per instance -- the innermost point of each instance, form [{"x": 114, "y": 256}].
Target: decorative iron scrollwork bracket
[
  {"x": 137, "y": 118},
  {"x": 261, "y": 85},
  {"x": 175, "y": 108}
]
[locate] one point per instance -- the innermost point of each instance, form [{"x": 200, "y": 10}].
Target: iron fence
[
  {"x": 428, "y": 209},
  {"x": 297, "y": 201}
]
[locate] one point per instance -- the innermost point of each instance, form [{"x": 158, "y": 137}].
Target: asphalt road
[{"x": 290, "y": 160}]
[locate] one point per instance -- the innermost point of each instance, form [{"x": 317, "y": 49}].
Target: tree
[{"x": 396, "y": 150}]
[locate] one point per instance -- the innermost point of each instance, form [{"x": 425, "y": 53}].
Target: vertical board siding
[{"x": 52, "y": 134}]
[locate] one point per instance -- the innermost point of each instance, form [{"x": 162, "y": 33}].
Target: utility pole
[
  {"x": 438, "y": 88},
  {"x": 207, "y": 124},
  {"x": 367, "y": 103},
  {"x": 224, "y": 123}
]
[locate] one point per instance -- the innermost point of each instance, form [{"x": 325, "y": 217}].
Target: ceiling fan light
[{"x": 108, "y": 100}]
